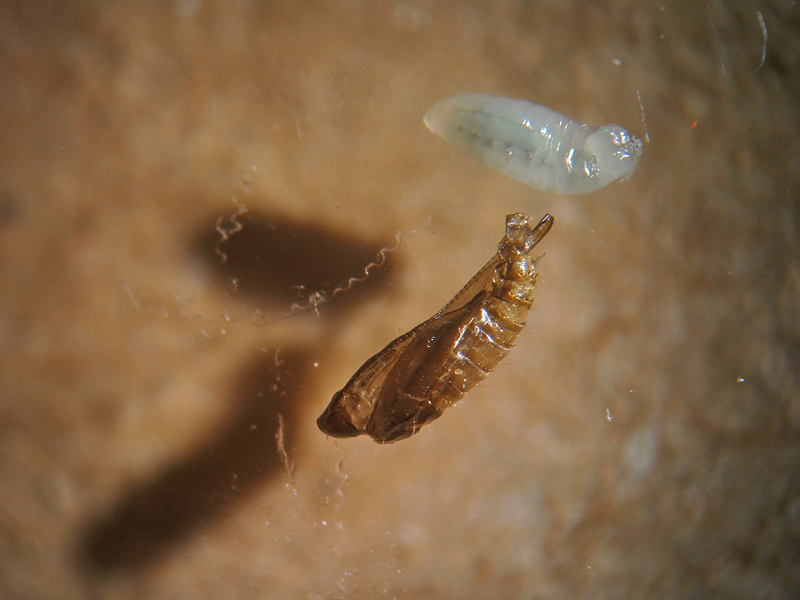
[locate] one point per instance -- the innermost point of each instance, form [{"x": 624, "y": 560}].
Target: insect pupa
[
  {"x": 535, "y": 145},
  {"x": 417, "y": 376}
]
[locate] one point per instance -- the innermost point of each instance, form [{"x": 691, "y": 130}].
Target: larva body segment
[
  {"x": 418, "y": 375},
  {"x": 535, "y": 145}
]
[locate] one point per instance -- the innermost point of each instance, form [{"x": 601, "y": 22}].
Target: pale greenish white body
[{"x": 535, "y": 145}]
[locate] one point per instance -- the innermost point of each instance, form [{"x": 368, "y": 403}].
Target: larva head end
[
  {"x": 428, "y": 120},
  {"x": 436, "y": 118}
]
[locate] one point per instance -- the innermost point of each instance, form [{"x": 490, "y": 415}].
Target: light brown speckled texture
[{"x": 668, "y": 302}]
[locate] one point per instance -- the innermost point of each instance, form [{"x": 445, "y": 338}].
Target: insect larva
[
  {"x": 411, "y": 381},
  {"x": 535, "y": 145}
]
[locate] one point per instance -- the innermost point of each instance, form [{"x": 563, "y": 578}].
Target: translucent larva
[
  {"x": 417, "y": 376},
  {"x": 535, "y": 145}
]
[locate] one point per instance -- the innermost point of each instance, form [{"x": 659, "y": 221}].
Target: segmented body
[
  {"x": 418, "y": 375},
  {"x": 534, "y": 144}
]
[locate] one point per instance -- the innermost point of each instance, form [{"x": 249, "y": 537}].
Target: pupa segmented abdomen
[{"x": 417, "y": 376}]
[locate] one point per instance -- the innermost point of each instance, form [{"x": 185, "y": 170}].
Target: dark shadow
[
  {"x": 274, "y": 262},
  {"x": 277, "y": 261},
  {"x": 11, "y": 207},
  {"x": 156, "y": 515}
]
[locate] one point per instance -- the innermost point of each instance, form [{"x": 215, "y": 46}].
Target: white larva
[{"x": 535, "y": 145}]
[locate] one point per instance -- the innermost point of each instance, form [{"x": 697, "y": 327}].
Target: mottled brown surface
[{"x": 157, "y": 406}]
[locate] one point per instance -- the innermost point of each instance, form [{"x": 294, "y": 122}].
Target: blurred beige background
[{"x": 176, "y": 176}]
